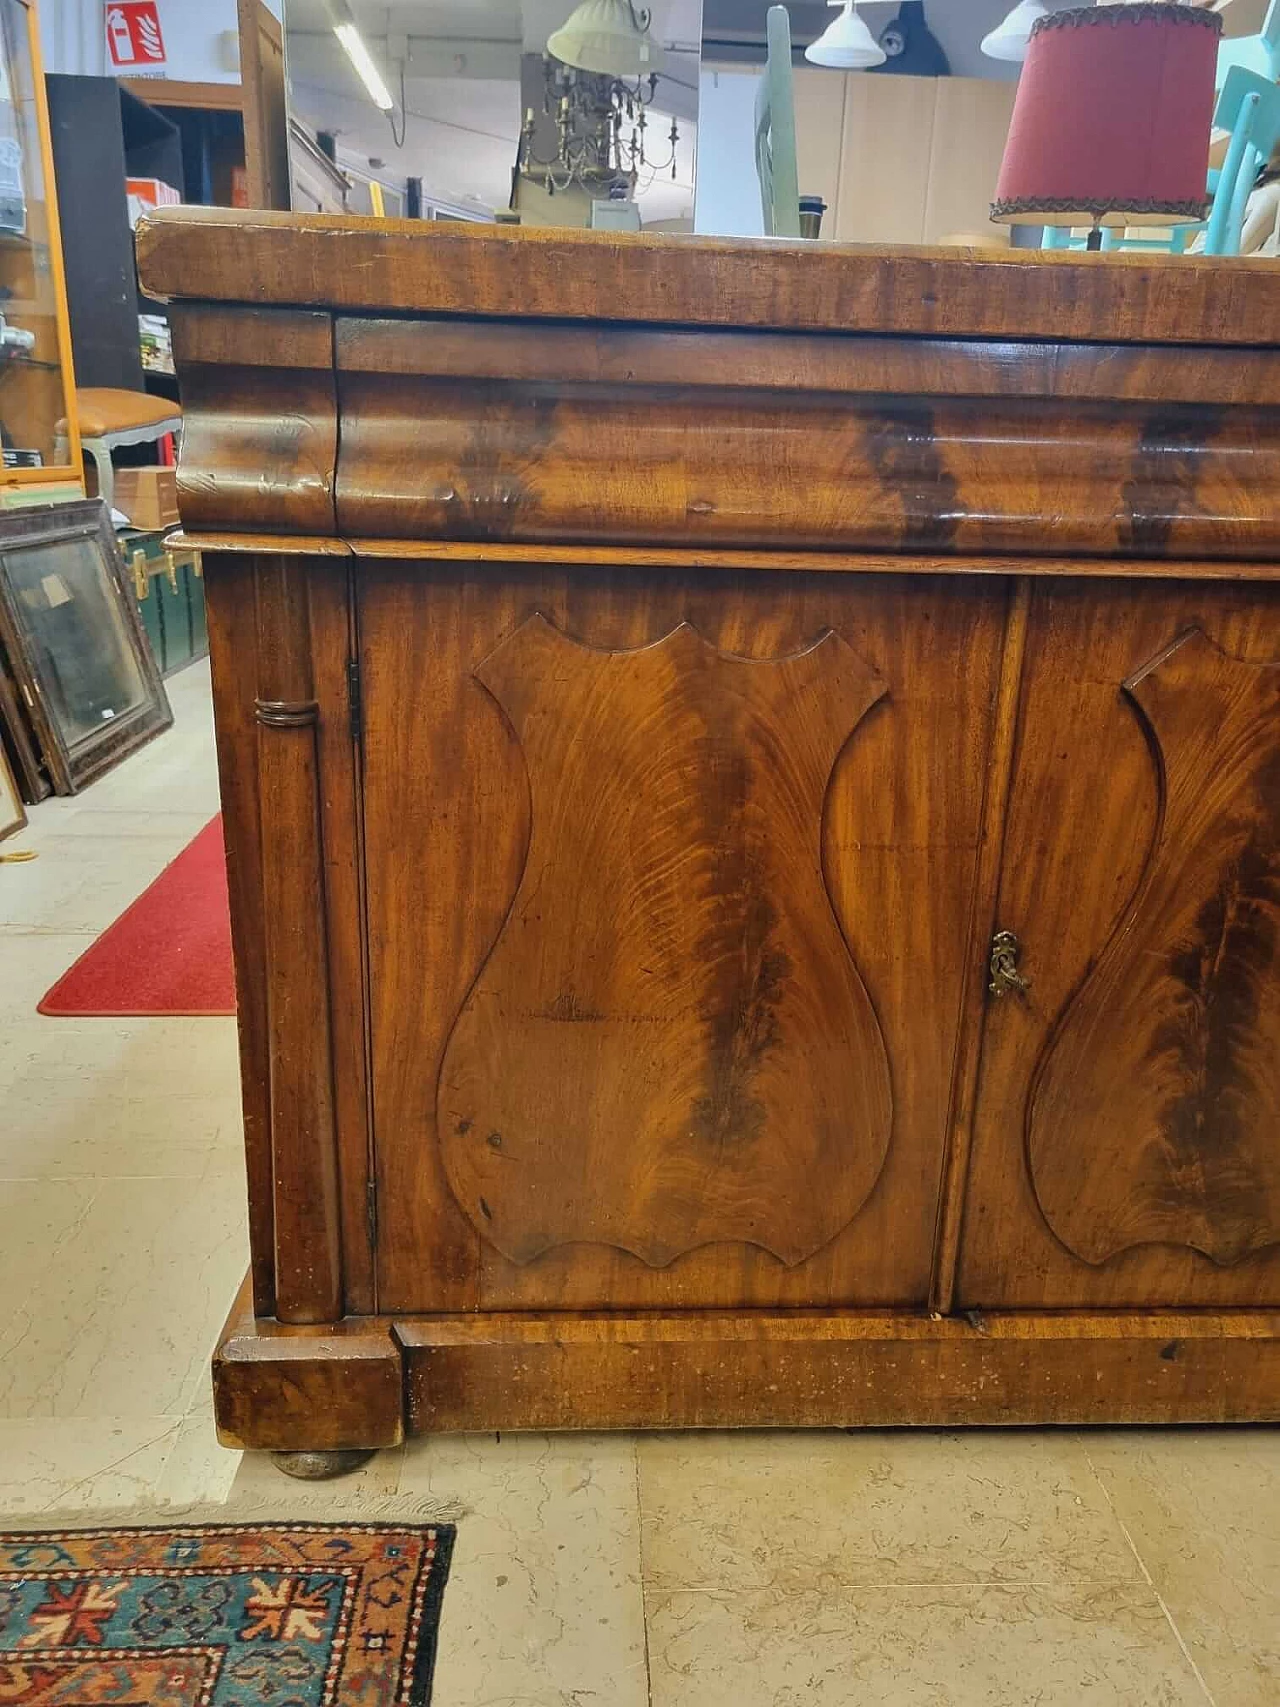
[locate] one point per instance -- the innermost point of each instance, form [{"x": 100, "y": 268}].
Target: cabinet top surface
[{"x": 408, "y": 266}]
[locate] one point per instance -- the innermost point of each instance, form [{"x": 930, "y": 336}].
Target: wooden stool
[{"x": 109, "y": 418}]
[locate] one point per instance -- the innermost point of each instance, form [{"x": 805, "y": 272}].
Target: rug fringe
[{"x": 288, "y": 1508}]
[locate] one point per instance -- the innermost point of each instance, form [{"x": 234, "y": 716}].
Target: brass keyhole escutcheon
[{"x": 1004, "y": 965}]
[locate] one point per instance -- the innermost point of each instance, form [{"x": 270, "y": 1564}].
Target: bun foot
[{"x": 320, "y": 1466}]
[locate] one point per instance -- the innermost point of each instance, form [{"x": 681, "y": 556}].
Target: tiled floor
[{"x": 1106, "y": 1568}]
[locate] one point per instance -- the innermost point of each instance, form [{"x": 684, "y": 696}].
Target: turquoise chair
[
  {"x": 1260, "y": 53},
  {"x": 1248, "y": 69},
  {"x": 776, "y": 132},
  {"x": 1249, "y": 107}
]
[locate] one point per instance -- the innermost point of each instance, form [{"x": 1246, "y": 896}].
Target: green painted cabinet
[{"x": 170, "y": 592}]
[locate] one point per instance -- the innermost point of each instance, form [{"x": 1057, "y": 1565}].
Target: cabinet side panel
[
  {"x": 295, "y": 936},
  {"x": 233, "y": 655}
]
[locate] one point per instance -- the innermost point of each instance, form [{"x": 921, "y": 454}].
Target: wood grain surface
[
  {"x": 891, "y": 473},
  {"x": 260, "y": 429},
  {"x": 845, "y": 1370},
  {"x": 981, "y": 929},
  {"x": 648, "y": 460},
  {"x": 295, "y": 953},
  {"x": 1154, "y": 1115},
  {"x": 840, "y": 364},
  {"x": 430, "y": 551},
  {"x": 738, "y": 636},
  {"x": 669, "y": 1045},
  {"x": 514, "y": 432},
  {"x": 368, "y": 1381},
  {"x": 333, "y": 645},
  {"x": 231, "y": 605},
  {"x": 341, "y": 262},
  {"x": 334, "y": 1387},
  {"x": 1126, "y": 1145},
  {"x": 447, "y": 843}
]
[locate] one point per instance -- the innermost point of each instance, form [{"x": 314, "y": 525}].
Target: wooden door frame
[{"x": 264, "y": 105}]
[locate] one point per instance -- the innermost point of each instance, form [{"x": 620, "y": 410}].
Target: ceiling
[{"x": 461, "y": 69}]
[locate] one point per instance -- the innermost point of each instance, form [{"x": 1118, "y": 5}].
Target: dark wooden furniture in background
[
  {"x": 266, "y": 105},
  {"x": 741, "y": 917},
  {"x": 101, "y": 135}
]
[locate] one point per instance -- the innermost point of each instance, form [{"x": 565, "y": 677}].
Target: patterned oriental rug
[{"x": 280, "y": 1615}]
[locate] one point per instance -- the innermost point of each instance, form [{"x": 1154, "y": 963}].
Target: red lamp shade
[{"x": 1112, "y": 118}]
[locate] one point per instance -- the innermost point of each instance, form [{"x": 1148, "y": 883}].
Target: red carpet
[{"x": 170, "y": 953}]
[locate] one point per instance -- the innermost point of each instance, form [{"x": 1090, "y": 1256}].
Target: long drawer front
[{"x": 539, "y": 432}]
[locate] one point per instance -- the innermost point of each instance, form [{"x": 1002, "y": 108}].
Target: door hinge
[
  {"x": 354, "y": 702},
  {"x": 371, "y": 1211}
]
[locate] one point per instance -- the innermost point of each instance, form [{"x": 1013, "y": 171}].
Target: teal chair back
[
  {"x": 776, "y": 132},
  {"x": 1249, "y": 107}
]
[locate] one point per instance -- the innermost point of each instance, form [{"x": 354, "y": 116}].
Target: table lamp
[{"x": 1111, "y": 121}]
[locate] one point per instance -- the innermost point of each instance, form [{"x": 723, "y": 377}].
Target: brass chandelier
[{"x": 601, "y": 138}]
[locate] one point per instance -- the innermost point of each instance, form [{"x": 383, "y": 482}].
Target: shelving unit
[{"x": 37, "y": 387}]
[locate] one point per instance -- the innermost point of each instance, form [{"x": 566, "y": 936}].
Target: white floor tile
[
  {"x": 545, "y": 1604},
  {"x": 1105, "y": 1645},
  {"x": 81, "y": 1464},
  {"x": 754, "y": 1510},
  {"x": 124, "y": 1318}
]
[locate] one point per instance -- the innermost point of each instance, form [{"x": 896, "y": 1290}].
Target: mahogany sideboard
[{"x": 752, "y": 789}]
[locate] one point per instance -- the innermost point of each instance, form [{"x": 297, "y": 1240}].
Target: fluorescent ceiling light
[
  {"x": 344, "y": 27},
  {"x": 1008, "y": 41},
  {"x": 846, "y": 44}
]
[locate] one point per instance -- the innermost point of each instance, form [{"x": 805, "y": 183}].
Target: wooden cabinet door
[
  {"x": 669, "y": 890},
  {"x": 1127, "y": 1142}
]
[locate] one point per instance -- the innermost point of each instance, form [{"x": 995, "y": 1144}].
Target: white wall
[
  {"x": 199, "y": 38},
  {"x": 727, "y": 193}
]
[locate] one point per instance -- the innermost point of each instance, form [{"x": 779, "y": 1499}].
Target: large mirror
[
  {"x": 484, "y": 109},
  {"x": 598, "y": 113}
]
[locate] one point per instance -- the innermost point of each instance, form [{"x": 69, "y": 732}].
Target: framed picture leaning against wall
[{"x": 69, "y": 625}]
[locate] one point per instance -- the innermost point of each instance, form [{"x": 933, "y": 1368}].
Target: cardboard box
[
  {"x": 144, "y": 195},
  {"x": 148, "y": 496}
]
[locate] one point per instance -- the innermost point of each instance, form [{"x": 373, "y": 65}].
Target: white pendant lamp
[
  {"x": 846, "y": 44},
  {"x": 606, "y": 36},
  {"x": 1009, "y": 39}
]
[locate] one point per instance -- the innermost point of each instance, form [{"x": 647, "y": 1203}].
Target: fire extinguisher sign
[{"x": 133, "y": 34}]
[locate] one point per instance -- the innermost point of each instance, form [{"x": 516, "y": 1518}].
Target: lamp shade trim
[
  {"x": 1114, "y": 16},
  {"x": 1029, "y": 208}
]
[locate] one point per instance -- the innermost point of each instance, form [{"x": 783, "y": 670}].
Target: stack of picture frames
[
  {"x": 79, "y": 687},
  {"x": 12, "y": 816}
]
